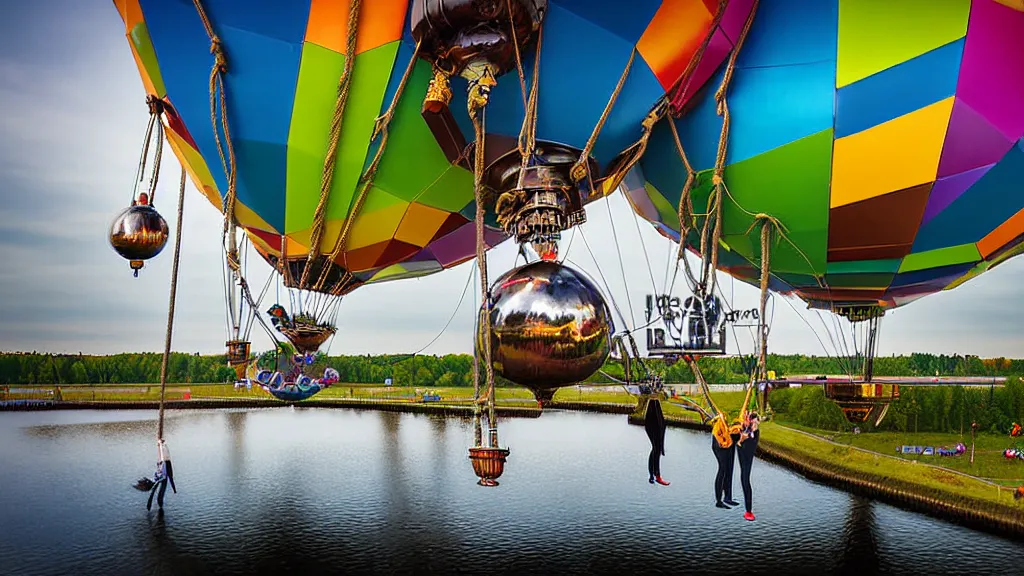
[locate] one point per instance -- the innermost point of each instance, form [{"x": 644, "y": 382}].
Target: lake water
[{"x": 343, "y": 491}]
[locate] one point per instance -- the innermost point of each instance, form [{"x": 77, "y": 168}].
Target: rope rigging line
[
  {"x": 143, "y": 158},
  {"x": 477, "y": 434},
  {"x": 581, "y": 170},
  {"x": 685, "y": 212},
  {"x": 622, "y": 266},
  {"x": 465, "y": 289},
  {"x": 519, "y": 57},
  {"x": 156, "y": 110},
  {"x": 476, "y": 114},
  {"x": 218, "y": 101},
  {"x": 815, "y": 332},
  {"x": 327, "y": 176},
  {"x": 682, "y": 84},
  {"x": 527, "y": 142},
  {"x": 604, "y": 280},
  {"x": 643, "y": 246},
  {"x": 170, "y": 310},
  {"x": 228, "y": 310},
  {"x": 380, "y": 129},
  {"x": 709, "y": 243},
  {"x": 760, "y": 374}
]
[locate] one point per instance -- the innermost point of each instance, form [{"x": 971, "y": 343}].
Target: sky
[{"x": 72, "y": 121}]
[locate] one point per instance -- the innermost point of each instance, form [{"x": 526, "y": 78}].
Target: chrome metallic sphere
[
  {"x": 550, "y": 327},
  {"x": 138, "y": 233}
]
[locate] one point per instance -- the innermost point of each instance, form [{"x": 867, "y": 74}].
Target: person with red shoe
[{"x": 746, "y": 447}]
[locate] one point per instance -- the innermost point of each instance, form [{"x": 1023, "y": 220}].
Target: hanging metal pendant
[
  {"x": 138, "y": 233},
  {"x": 550, "y": 327}
]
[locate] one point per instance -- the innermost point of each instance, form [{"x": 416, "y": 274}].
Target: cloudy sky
[{"x": 72, "y": 119}]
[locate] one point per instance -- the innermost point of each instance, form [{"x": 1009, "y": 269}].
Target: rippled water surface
[{"x": 340, "y": 491}]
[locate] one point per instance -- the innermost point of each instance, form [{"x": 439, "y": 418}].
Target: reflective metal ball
[
  {"x": 139, "y": 233},
  {"x": 550, "y": 326}
]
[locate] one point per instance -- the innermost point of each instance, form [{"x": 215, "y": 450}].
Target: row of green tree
[
  {"x": 946, "y": 409},
  {"x": 450, "y": 369}
]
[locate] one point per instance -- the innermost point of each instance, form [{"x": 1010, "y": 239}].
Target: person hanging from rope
[
  {"x": 654, "y": 424},
  {"x": 164, "y": 475},
  {"x": 746, "y": 447},
  {"x": 723, "y": 445}
]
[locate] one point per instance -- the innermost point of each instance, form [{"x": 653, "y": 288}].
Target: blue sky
[{"x": 71, "y": 127}]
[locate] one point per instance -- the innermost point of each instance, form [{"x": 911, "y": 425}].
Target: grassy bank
[
  {"x": 989, "y": 462},
  {"x": 932, "y": 490},
  {"x": 930, "y": 475}
]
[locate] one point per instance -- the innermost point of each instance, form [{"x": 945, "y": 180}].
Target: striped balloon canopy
[
  {"x": 282, "y": 64},
  {"x": 886, "y": 138}
]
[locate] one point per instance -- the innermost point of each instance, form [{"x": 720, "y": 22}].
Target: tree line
[{"x": 452, "y": 369}]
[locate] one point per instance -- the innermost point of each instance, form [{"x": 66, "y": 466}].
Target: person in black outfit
[
  {"x": 723, "y": 479},
  {"x": 654, "y": 423},
  {"x": 745, "y": 449}
]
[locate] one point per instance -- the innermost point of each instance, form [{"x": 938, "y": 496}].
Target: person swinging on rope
[
  {"x": 654, "y": 424},
  {"x": 746, "y": 447},
  {"x": 723, "y": 445},
  {"x": 164, "y": 475}
]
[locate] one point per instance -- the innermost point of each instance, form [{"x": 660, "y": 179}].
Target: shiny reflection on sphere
[
  {"x": 138, "y": 233},
  {"x": 550, "y": 326}
]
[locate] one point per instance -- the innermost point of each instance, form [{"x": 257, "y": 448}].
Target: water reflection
[
  {"x": 237, "y": 454},
  {"x": 860, "y": 549},
  {"x": 334, "y": 491}
]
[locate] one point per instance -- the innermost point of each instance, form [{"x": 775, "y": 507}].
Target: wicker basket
[{"x": 488, "y": 463}]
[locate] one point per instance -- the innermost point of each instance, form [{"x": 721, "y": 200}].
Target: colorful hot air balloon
[
  {"x": 365, "y": 162},
  {"x": 887, "y": 138},
  {"x": 283, "y": 64}
]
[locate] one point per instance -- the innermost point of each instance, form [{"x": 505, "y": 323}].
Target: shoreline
[{"x": 1002, "y": 520}]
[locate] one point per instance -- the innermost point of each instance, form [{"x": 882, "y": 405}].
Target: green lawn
[
  {"x": 989, "y": 461},
  {"x": 849, "y": 460}
]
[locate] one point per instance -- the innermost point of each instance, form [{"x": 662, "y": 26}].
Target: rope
[
  {"x": 685, "y": 210},
  {"x": 156, "y": 109},
  {"x": 581, "y": 169},
  {"x": 218, "y": 99},
  {"x": 327, "y": 177},
  {"x": 704, "y": 388},
  {"x": 477, "y": 434},
  {"x": 380, "y": 129},
  {"x": 465, "y": 289},
  {"x": 622, "y": 265},
  {"x": 170, "y": 308},
  {"x": 528, "y": 133},
  {"x": 761, "y": 373},
  {"x": 476, "y": 115},
  {"x": 682, "y": 84},
  {"x": 141, "y": 169},
  {"x": 519, "y": 57},
  {"x": 723, "y": 141}
]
